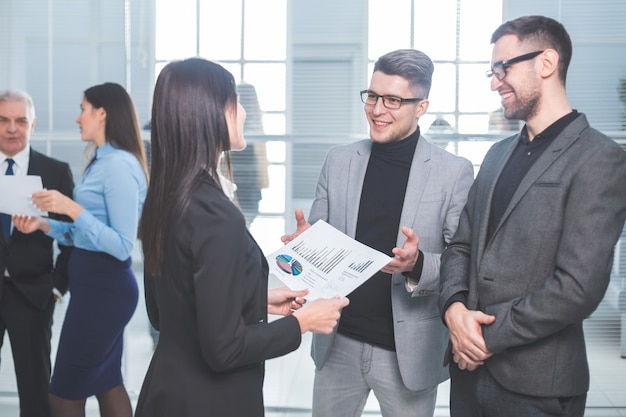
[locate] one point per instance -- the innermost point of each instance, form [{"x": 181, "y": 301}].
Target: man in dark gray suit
[
  {"x": 30, "y": 273},
  {"x": 532, "y": 255},
  {"x": 400, "y": 194}
]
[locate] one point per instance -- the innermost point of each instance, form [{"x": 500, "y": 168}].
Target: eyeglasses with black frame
[
  {"x": 390, "y": 102},
  {"x": 499, "y": 68}
]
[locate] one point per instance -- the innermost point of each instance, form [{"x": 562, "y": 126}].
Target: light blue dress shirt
[{"x": 112, "y": 192}]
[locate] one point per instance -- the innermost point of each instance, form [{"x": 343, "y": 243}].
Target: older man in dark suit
[
  {"x": 532, "y": 255},
  {"x": 31, "y": 279}
]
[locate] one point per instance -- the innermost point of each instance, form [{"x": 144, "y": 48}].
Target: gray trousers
[{"x": 352, "y": 370}]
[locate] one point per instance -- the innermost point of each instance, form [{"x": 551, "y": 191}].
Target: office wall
[{"x": 56, "y": 49}]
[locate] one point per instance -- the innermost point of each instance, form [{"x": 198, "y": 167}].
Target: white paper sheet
[
  {"x": 326, "y": 261},
  {"x": 15, "y": 194}
]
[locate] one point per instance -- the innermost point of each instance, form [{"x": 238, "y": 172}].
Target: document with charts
[{"x": 326, "y": 261}]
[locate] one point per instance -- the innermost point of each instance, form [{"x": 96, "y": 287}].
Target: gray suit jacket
[
  {"x": 436, "y": 193},
  {"x": 548, "y": 263}
]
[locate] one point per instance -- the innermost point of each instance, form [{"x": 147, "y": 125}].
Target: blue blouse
[{"x": 112, "y": 192}]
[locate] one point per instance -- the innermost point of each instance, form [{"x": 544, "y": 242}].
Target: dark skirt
[{"x": 104, "y": 296}]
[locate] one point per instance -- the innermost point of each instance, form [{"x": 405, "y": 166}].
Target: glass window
[
  {"x": 265, "y": 33},
  {"x": 220, "y": 33},
  {"x": 389, "y": 27},
  {"x": 443, "y": 89},
  {"x": 479, "y": 19},
  {"x": 435, "y": 29},
  {"x": 269, "y": 81},
  {"x": 175, "y": 40},
  {"x": 476, "y": 94},
  {"x": 455, "y": 35}
]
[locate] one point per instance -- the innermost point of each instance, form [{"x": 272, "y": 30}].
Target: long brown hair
[{"x": 121, "y": 128}]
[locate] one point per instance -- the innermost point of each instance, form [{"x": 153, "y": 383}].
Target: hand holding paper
[
  {"x": 56, "y": 202},
  {"x": 16, "y": 191},
  {"x": 30, "y": 224},
  {"x": 325, "y": 261}
]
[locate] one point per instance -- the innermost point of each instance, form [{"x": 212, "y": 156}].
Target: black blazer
[
  {"x": 29, "y": 258},
  {"x": 210, "y": 304}
]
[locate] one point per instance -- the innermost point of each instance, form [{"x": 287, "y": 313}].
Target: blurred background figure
[
  {"x": 250, "y": 164},
  {"x": 105, "y": 213},
  {"x": 440, "y": 125},
  {"x": 498, "y": 123}
]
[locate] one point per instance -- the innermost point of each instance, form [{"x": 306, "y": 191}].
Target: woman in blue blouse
[{"x": 106, "y": 209}]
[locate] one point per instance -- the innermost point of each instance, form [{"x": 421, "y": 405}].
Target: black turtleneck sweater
[{"x": 369, "y": 318}]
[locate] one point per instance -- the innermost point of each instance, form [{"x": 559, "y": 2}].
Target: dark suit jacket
[
  {"x": 548, "y": 263},
  {"x": 210, "y": 305},
  {"x": 29, "y": 258}
]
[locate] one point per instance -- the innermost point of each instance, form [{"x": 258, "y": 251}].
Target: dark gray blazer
[
  {"x": 435, "y": 195},
  {"x": 547, "y": 266}
]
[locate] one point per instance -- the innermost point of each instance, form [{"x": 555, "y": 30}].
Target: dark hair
[
  {"x": 121, "y": 126},
  {"x": 413, "y": 65},
  {"x": 542, "y": 33},
  {"x": 189, "y": 133}
]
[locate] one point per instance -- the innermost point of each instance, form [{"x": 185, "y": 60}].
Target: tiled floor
[{"x": 288, "y": 383}]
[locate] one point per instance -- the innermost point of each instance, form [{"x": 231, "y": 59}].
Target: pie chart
[{"x": 289, "y": 265}]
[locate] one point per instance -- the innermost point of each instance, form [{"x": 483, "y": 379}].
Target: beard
[
  {"x": 524, "y": 108},
  {"x": 526, "y": 104}
]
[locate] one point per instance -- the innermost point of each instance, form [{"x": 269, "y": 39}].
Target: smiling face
[
  {"x": 520, "y": 90},
  {"x": 16, "y": 126},
  {"x": 92, "y": 122},
  {"x": 392, "y": 125}
]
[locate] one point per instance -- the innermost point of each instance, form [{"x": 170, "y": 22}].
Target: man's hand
[
  {"x": 30, "y": 224},
  {"x": 469, "y": 349},
  {"x": 405, "y": 257},
  {"x": 302, "y": 225}
]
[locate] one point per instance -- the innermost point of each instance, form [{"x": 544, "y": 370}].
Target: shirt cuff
[
  {"x": 460, "y": 297},
  {"x": 57, "y": 294},
  {"x": 413, "y": 276}
]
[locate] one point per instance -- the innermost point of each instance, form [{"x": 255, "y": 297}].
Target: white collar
[
  {"x": 21, "y": 161},
  {"x": 228, "y": 186}
]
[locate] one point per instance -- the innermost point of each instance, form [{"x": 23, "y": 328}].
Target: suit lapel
[
  {"x": 356, "y": 175},
  {"x": 485, "y": 195},
  {"x": 551, "y": 154},
  {"x": 418, "y": 178},
  {"x": 35, "y": 163}
]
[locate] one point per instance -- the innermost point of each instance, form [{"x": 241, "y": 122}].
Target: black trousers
[
  {"x": 477, "y": 394},
  {"x": 29, "y": 331}
]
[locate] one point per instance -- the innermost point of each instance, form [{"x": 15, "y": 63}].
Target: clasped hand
[{"x": 469, "y": 349}]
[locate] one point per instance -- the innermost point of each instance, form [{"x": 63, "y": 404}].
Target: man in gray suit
[
  {"x": 532, "y": 255},
  {"x": 402, "y": 195}
]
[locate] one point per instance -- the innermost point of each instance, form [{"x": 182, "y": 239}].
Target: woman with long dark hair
[
  {"x": 205, "y": 277},
  {"x": 105, "y": 211}
]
